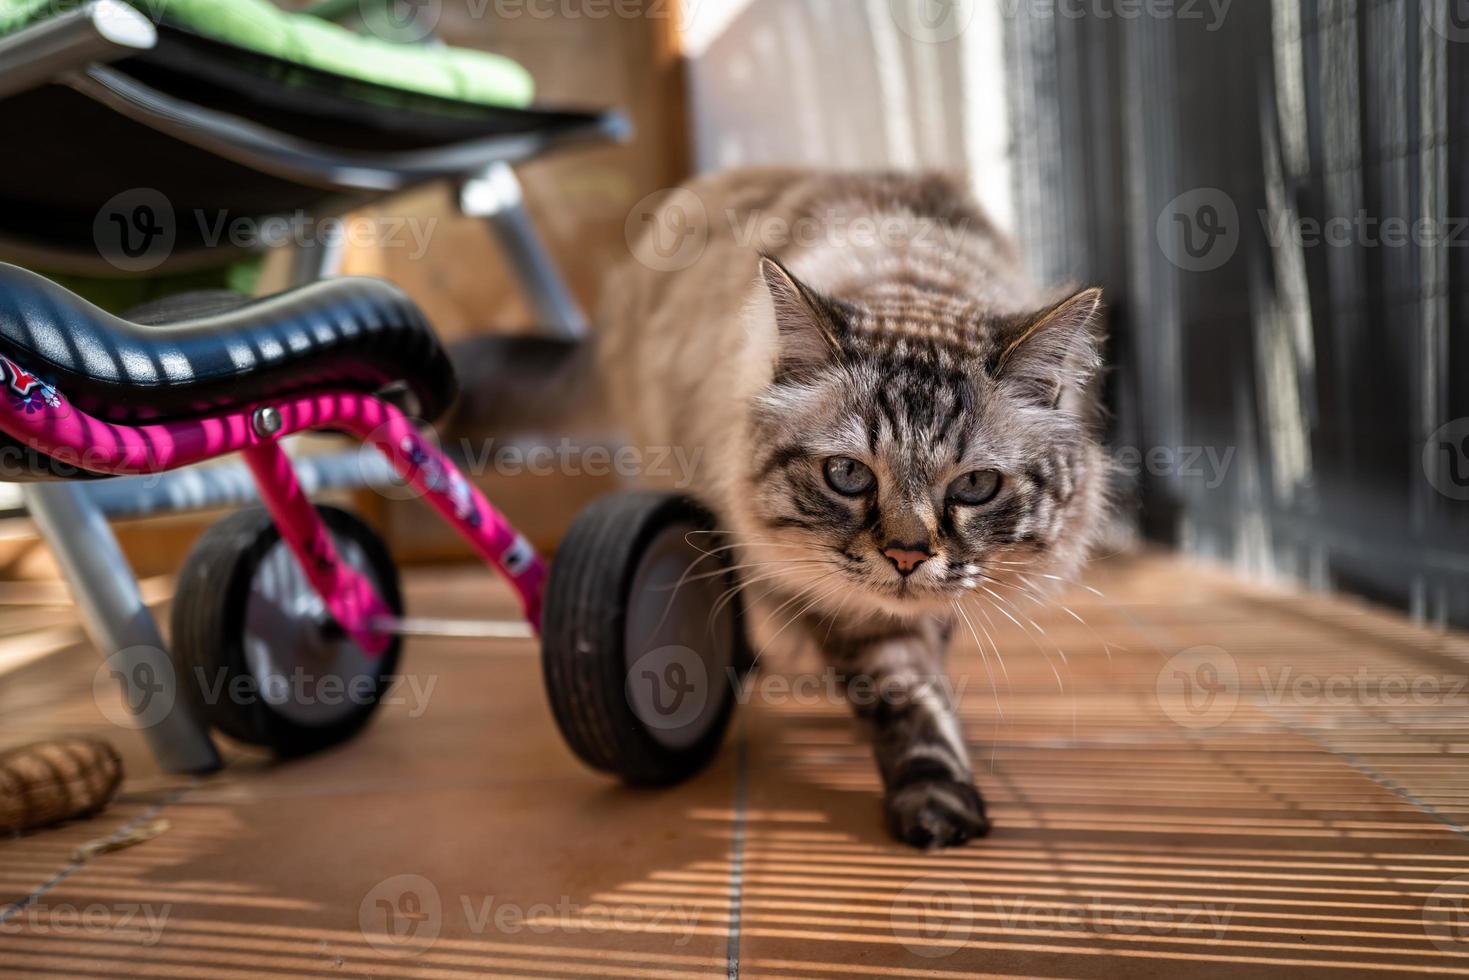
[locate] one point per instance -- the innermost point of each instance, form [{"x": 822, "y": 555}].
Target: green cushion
[{"x": 258, "y": 25}]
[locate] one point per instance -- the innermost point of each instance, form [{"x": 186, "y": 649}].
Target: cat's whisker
[
  {"x": 999, "y": 657},
  {"x": 730, "y": 569},
  {"x": 1038, "y": 627},
  {"x": 1107, "y": 645},
  {"x": 980, "y": 606},
  {"x": 742, "y": 583},
  {"x": 994, "y": 690},
  {"x": 800, "y": 593},
  {"x": 1030, "y": 593},
  {"x": 1041, "y": 632},
  {"x": 1071, "y": 582},
  {"x": 1034, "y": 599},
  {"x": 685, "y": 578},
  {"x": 840, "y": 609},
  {"x": 815, "y": 601},
  {"x": 803, "y": 593},
  {"x": 682, "y": 580},
  {"x": 743, "y": 542},
  {"x": 984, "y": 657}
]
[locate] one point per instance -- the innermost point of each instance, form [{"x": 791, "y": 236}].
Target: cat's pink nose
[{"x": 906, "y": 557}]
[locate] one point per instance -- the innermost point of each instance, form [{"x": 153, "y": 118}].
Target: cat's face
[{"x": 912, "y": 472}]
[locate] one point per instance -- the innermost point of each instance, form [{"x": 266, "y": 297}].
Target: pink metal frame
[{"x": 36, "y": 415}]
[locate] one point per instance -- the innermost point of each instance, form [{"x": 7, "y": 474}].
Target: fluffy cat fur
[{"x": 923, "y": 354}]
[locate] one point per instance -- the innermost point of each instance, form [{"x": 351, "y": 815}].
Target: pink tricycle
[{"x": 640, "y": 657}]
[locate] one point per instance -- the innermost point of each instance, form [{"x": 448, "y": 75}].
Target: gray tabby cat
[
  {"x": 892, "y": 424},
  {"x": 888, "y": 420}
]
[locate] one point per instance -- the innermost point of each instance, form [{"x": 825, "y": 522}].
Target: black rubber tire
[
  {"x": 584, "y": 652},
  {"x": 207, "y": 643}
]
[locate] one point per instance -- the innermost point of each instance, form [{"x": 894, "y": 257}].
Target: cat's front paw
[{"x": 936, "y": 813}]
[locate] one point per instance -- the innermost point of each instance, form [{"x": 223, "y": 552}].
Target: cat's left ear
[
  {"x": 809, "y": 330},
  {"x": 1053, "y": 349}
]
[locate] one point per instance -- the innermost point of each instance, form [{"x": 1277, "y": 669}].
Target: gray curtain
[{"x": 1276, "y": 201}]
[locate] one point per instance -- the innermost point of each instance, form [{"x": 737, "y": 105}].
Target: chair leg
[
  {"x": 496, "y": 197},
  {"x": 117, "y": 620}
]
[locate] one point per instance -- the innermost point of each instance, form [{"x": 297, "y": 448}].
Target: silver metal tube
[
  {"x": 120, "y": 624},
  {"x": 101, "y": 31},
  {"x": 472, "y": 629},
  {"x": 496, "y": 197},
  {"x": 230, "y": 484}
]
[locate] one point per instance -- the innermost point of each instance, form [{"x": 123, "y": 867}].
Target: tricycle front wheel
[{"x": 643, "y": 638}]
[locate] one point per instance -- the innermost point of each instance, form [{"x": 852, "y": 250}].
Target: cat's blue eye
[
  {"x": 974, "y": 488},
  {"x": 849, "y": 477}
]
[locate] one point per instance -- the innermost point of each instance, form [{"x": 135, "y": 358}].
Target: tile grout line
[
  {"x": 15, "y": 908},
  {"x": 1141, "y": 622},
  {"x": 737, "y": 854},
  {"x": 1387, "y": 783}
]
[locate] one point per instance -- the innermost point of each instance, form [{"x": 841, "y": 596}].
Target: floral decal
[
  {"x": 445, "y": 482},
  {"x": 26, "y": 392}
]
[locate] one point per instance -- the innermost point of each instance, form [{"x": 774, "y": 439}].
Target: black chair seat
[
  {"x": 101, "y": 152},
  {"x": 354, "y": 334}
]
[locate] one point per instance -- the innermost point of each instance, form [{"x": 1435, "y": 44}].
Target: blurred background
[{"x": 1271, "y": 191}]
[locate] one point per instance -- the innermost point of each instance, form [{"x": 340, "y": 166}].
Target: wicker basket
[{"x": 47, "y": 782}]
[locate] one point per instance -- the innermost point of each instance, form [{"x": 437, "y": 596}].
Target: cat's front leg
[{"x": 896, "y": 683}]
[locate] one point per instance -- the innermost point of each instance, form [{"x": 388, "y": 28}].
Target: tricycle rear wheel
[{"x": 254, "y": 647}]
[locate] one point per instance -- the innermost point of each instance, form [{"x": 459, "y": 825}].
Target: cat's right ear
[{"x": 808, "y": 328}]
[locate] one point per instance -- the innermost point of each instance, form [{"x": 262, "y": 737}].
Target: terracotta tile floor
[{"x": 1190, "y": 778}]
